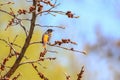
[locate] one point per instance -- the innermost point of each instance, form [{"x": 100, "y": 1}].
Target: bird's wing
[{"x": 45, "y": 38}]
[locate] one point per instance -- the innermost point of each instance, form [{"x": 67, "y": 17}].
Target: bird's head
[{"x": 49, "y": 31}]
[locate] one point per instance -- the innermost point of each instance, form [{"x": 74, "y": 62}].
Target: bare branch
[
  {"x": 41, "y": 75},
  {"x": 81, "y": 73},
  {"x": 4, "y": 41},
  {"x": 37, "y": 42},
  {"x": 26, "y": 45},
  {"x": 62, "y": 27},
  {"x": 26, "y": 19},
  {"x": 36, "y": 61},
  {"x": 11, "y": 44},
  {"x": 49, "y": 10},
  {"x": 55, "y": 5},
  {"x": 5, "y": 66},
  {"x": 7, "y": 13},
  {"x": 16, "y": 45},
  {"x": 19, "y": 20},
  {"x": 67, "y": 76},
  {"x": 71, "y": 49},
  {"x": 52, "y": 11},
  {"x": 44, "y": 67},
  {"x": 6, "y": 3},
  {"x": 15, "y": 38},
  {"x": 23, "y": 28},
  {"x": 54, "y": 45},
  {"x": 16, "y": 77},
  {"x": 8, "y": 43}
]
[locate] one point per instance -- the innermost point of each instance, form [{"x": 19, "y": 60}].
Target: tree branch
[
  {"x": 41, "y": 75},
  {"x": 36, "y": 61},
  {"x": 80, "y": 74},
  {"x": 23, "y": 28},
  {"x": 6, "y": 3},
  {"x": 71, "y": 49},
  {"x": 5, "y": 66},
  {"x": 3, "y": 40},
  {"x": 54, "y": 45},
  {"x": 67, "y": 76},
  {"x": 15, "y": 17},
  {"x": 7, "y": 13},
  {"x": 26, "y": 44},
  {"x": 62, "y": 27}
]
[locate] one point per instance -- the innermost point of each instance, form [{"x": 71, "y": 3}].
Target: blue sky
[
  {"x": 91, "y": 12},
  {"x": 102, "y": 13}
]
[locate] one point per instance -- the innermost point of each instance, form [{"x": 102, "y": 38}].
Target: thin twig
[
  {"x": 23, "y": 28},
  {"x": 9, "y": 43},
  {"x": 71, "y": 49},
  {"x": 11, "y": 46},
  {"x": 26, "y": 19},
  {"x": 41, "y": 75},
  {"x": 36, "y": 61},
  {"x": 5, "y": 66},
  {"x": 53, "y": 7},
  {"x": 7, "y": 3},
  {"x": 19, "y": 20},
  {"x": 67, "y": 76},
  {"x": 7, "y": 13},
  {"x": 53, "y": 11},
  {"x": 4, "y": 41},
  {"x": 37, "y": 42},
  {"x": 16, "y": 45},
  {"x": 49, "y": 10},
  {"x": 15, "y": 38},
  {"x": 80, "y": 74},
  {"x": 16, "y": 77},
  {"x": 44, "y": 67},
  {"x": 50, "y": 26}
]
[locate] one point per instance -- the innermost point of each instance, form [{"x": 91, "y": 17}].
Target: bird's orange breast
[{"x": 45, "y": 39}]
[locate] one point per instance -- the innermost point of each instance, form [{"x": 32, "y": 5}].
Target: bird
[{"x": 46, "y": 37}]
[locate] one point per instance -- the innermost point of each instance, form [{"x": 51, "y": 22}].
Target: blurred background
[{"x": 97, "y": 32}]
